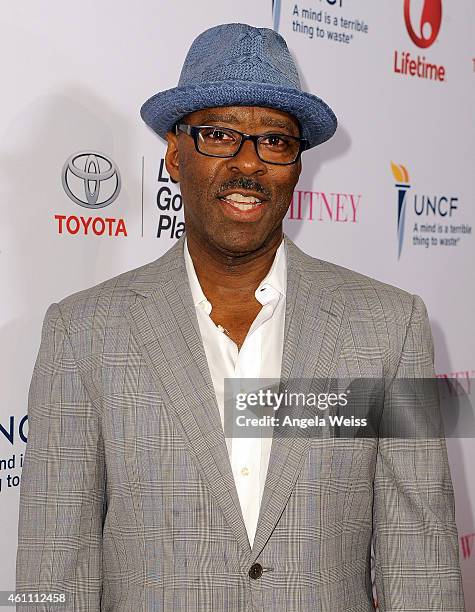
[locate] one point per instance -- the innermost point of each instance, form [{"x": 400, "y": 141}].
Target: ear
[{"x": 171, "y": 157}]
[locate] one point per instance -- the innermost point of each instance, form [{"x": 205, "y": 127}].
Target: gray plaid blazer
[{"x": 128, "y": 501}]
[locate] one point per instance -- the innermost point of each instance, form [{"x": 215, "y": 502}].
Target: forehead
[{"x": 249, "y": 116}]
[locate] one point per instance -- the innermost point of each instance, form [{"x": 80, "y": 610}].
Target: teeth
[
  {"x": 238, "y": 197},
  {"x": 243, "y": 206}
]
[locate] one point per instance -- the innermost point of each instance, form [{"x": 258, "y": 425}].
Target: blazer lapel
[
  {"x": 165, "y": 325},
  {"x": 315, "y": 320}
]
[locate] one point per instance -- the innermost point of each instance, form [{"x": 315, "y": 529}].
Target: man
[{"x": 133, "y": 496}]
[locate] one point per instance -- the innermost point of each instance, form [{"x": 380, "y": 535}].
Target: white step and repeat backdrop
[{"x": 391, "y": 195}]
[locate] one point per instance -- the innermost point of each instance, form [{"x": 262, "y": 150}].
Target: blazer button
[{"x": 255, "y": 571}]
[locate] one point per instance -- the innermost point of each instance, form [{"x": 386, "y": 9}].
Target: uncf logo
[{"x": 429, "y": 26}]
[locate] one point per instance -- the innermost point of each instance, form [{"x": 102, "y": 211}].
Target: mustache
[{"x": 244, "y": 183}]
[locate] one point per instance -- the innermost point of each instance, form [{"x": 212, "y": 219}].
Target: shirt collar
[
  {"x": 275, "y": 279},
  {"x": 196, "y": 290}
]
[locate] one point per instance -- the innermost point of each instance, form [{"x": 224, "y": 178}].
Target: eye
[
  {"x": 276, "y": 141},
  {"x": 216, "y": 135}
]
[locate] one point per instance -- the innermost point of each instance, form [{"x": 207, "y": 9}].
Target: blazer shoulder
[
  {"x": 366, "y": 295},
  {"x": 113, "y": 296}
]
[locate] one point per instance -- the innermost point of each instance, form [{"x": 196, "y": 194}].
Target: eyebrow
[{"x": 265, "y": 121}]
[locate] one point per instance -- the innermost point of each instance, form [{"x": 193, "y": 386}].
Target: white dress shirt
[{"x": 260, "y": 356}]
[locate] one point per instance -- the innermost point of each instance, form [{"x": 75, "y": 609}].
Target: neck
[{"x": 226, "y": 277}]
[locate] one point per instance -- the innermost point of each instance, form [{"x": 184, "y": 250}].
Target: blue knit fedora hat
[{"x": 236, "y": 64}]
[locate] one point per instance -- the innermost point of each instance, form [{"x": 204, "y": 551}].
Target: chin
[{"x": 240, "y": 242}]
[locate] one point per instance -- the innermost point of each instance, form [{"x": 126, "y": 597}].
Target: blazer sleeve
[
  {"x": 414, "y": 533},
  {"x": 62, "y": 492}
]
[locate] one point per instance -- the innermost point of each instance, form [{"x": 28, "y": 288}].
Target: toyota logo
[{"x": 91, "y": 179}]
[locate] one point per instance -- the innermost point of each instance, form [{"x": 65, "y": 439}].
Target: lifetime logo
[
  {"x": 429, "y": 25},
  {"x": 423, "y": 37}
]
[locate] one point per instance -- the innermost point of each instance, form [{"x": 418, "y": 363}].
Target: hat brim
[{"x": 164, "y": 109}]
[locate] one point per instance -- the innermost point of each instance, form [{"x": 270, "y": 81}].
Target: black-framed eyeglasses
[{"x": 271, "y": 148}]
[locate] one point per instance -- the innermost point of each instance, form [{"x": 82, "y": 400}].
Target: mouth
[
  {"x": 240, "y": 206},
  {"x": 241, "y": 201}
]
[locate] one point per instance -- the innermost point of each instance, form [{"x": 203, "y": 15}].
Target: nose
[{"x": 247, "y": 161}]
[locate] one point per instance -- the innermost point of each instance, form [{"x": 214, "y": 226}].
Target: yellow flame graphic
[{"x": 401, "y": 175}]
